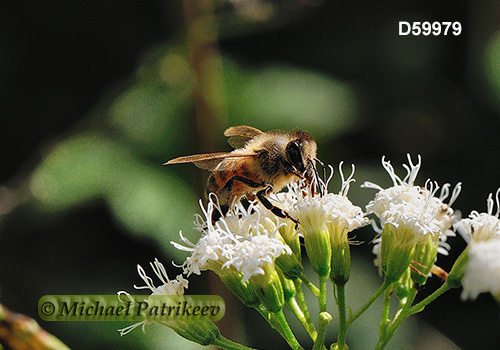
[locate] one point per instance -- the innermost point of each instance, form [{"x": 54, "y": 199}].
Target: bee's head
[{"x": 300, "y": 153}]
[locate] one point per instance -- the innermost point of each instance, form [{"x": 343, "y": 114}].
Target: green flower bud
[
  {"x": 340, "y": 263},
  {"x": 244, "y": 291},
  {"x": 423, "y": 260},
  {"x": 325, "y": 318},
  {"x": 290, "y": 265},
  {"x": 318, "y": 250},
  {"x": 457, "y": 272},
  {"x": 289, "y": 290},
  {"x": 201, "y": 331},
  {"x": 395, "y": 254},
  {"x": 402, "y": 287},
  {"x": 269, "y": 289}
]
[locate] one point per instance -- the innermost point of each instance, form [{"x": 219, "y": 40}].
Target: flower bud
[
  {"x": 340, "y": 263},
  {"x": 318, "y": 250},
  {"x": 268, "y": 288},
  {"x": 423, "y": 260},
  {"x": 289, "y": 290},
  {"x": 290, "y": 265},
  {"x": 395, "y": 255},
  {"x": 289, "y": 234},
  {"x": 325, "y": 318},
  {"x": 457, "y": 272},
  {"x": 402, "y": 287},
  {"x": 201, "y": 331},
  {"x": 244, "y": 291}
]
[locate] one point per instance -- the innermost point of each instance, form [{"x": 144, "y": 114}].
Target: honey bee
[{"x": 262, "y": 162}]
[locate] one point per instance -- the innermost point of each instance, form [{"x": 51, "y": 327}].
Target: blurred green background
[{"x": 96, "y": 95}]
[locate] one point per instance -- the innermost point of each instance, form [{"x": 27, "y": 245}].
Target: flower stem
[
  {"x": 309, "y": 284},
  {"x": 342, "y": 335},
  {"x": 294, "y": 306},
  {"x": 407, "y": 312},
  {"x": 421, "y": 305},
  {"x": 287, "y": 331},
  {"x": 227, "y": 344},
  {"x": 269, "y": 317},
  {"x": 299, "y": 309},
  {"x": 384, "y": 322},
  {"x": 375, "y": 296},
  {"x": 320, "y": 339},
  {"x": 278, "y": 321}
]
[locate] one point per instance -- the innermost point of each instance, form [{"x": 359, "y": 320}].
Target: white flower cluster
[
  {"x": 331, "y": 211},
  {"x": 481, "y": 226},
  {"x": 482, "y": 272},
  {"x": 242, "y": 240},
  {"x": 168, "y": 287},
  {"x": 412, "y": 211},
  {"x": 482, "y": 231}
]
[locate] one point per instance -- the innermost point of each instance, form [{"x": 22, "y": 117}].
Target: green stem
[
  {"x": 409, "y": 312},
  {"x": 405, "y": 303},
  {"x": 227, "y": 344},
  {"x": 278, "y": 321},
  {"x": 342, "y": 335},
  {"x": 287, "y": 331},
  {"x": 320, "y": 339},
  {"x": 322, "y": 293},
  {"x": 299, "y": 314},
  {"x": 309, "y": 285},
  {"x": 303, "y": 306},
  {"x": 269, "y": 317},
  {"x": 375, "y": 296},
  {"x": 382, "y": 329},
  {"x": 381, "y": 344},
  {"x": 421, "y": 305}
]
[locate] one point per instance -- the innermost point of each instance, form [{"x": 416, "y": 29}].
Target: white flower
[
  {"x": 325, "y": 219},
  {"x": 242, "y": 240},
  {"x": 325, "y": 210},
  {"x": 251, "y": 254},
  {"x": 482, "y": 272},
  {"x": 168, "y": 287},
  {"x": 482, "y": 232},
  {"x": 412, "y": 212},
  {"x": 481, "y": 226}
]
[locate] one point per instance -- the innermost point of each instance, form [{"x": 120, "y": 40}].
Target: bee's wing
[
  {"x": 240, "y": 135},
  {"x": 207, "y": 161}
]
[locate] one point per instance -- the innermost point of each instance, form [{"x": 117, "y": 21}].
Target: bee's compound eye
[{"x": 294, "y": 155}]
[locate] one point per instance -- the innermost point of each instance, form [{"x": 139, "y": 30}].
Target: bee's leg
[
  {"x": 225, "y": 195},
  {"x": 274, "y": 209}
]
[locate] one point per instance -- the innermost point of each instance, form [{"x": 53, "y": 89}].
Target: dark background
[{"x": 94, "y": 96}]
